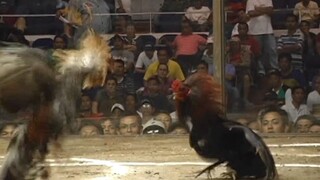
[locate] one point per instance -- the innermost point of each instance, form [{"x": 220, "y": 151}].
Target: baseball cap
[
  {"x": 148, "y": 47},
  {"x": 117, "y": 105},
  {"x": 154, "y": 127}
]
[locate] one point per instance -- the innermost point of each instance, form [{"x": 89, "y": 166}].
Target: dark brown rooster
[{"x": 214, "y": 137}]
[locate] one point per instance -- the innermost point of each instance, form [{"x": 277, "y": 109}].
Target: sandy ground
[{"x": 165, "y": 157}]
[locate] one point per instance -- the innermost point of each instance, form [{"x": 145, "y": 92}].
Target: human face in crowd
[
  {"x": 131, "y": 102},
  {"x": 131, "y": 31},
  {"x": 147, "y": 109},
  {"x": 314, "y": 129},
  {"x": 153, "y": 86},
  {"x": 163, "y": 71},
  {"x": 298, "y": 96},
  {"x": 201, "y": 68},
  {"x": 129, "y": 125},
  {"x": 198, "y": 4},
  {"x": 274, "y": 81},
  {"x": 304, "y": 27},
  {"x": 303, "y": 125},
  {"x": 284, "y": 64},
  {"x": 8, "y": 130},
  {"x": 291, "y": 23},
  {"x": 108, "y": 127},
  {"x": 118, "y": 69},
  {"x": 243, "y": 121},
  {"x": 186, "y": 29},
  {"x": 254, "y": 125},
  {"x": 85, "y": 103},
  {"x": 272, "y": 122},
  {"x": 59, "y": 43},
  {"x": 165, "y": 119},
  {"x": 111, "y": 86},
  {"x": 179, "y": 130},
  {"x": 117, "y": 112},
  {"x": 118, "y": 43},
  {"x": 163, "y": 56},
  {"x": 242, "y": 30},
  {"x": 149, "y": 53},
  {"x": 89, "y": 130}
]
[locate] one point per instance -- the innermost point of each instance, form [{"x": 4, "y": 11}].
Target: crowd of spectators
[{"x": 275, "y": 78}]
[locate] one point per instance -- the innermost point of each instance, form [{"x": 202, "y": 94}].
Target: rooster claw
[{"x": 230, "y": 174}]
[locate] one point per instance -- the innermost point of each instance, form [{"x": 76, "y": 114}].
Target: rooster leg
[
  {"x": 230, "y": 174},
  {"x": 210, "y": 168}
]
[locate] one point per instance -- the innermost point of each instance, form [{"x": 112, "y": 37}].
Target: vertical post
[
  {"x": 219, "y": 44},
  {"x": 150, "y": 22}
]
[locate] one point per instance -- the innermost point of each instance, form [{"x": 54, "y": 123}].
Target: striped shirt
[{"x": 295, "y": 39}]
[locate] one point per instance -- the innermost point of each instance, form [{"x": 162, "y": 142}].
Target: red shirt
[
  {"x": 188, "y": 44},
  {"x": 253, "y": 43}
]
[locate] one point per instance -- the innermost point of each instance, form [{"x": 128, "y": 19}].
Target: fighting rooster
[
  {"x": 212, "y": 136},
  {"x": 49, "y": 85}
]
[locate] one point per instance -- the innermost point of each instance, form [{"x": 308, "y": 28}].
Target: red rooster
[{"x": 213, "y": 136}]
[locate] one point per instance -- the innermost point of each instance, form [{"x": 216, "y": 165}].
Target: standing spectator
[
  {"x": 291, "y": 77},
  {"x": 106, "y": 97},
  {"x": 260, "y": 27},
  {"x": 309, "y": 42},
  {"x": 175, "y": 71},
  {"x": 292, "y": 42},
  {"x": 125, "y": 83},
  {"x": 309, "y": 11},
  {"x": 296, "y": 107},
  {"x": 198, "y": 15},
  {"x": 274, "y": 120},
  {"x": 118, "y": 52},
  {"x": 187, "y": 47},
  {"x": 314, "y": 96}
]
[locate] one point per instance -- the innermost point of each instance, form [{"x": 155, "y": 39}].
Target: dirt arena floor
[{"x": 165, "y": 157}]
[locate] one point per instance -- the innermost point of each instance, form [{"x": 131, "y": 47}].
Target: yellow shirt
[{"x": 175, "y": 71}]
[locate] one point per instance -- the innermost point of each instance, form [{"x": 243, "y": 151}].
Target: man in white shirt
[
  {"x": 123, "y": 6},
  {"x": 145, "y": 58},
  {"x": 297, "y": 107},
  {"x": 260, "y": 27},
  {"x": 198, "y": 15}
]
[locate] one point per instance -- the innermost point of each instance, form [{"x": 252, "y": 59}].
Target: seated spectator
[
  {"x": 131, "y": 104},
  {"x": 292, "y": 42},
  {"x": 312, "y": 61},
  {"x": 314, "y": 128},
  {"x": 187, "y": 47},
  {"x": 109, "y": 127},
  {"x": 307, "y": 10},
  {"x": 198, "y": 15},
  {"x": 175, "y": 71},
  {"x": 117, "y": 111},
  {"x": 165, "y": 118},
  {"x": 8, "y": 129},
  {"x": 296, "y": 107},
  {"x": 85, "y": 107},
  {"x": 277, "y": 87},
  {"x": 178, "y": 128},
  {"x": 274, "y": 120},
  {"x": 291, "y": 77},
  {"x": 304, "y": 123},
  {"x": 145, "y": 58},
  {"x": 146, "y": 110},
  {"x": 154, "y": 127},
  {"x": 60, "y": 42},
  {"x": 118, "y": 52},
  {"x": 309, "y": 42},
  {"x": 106, "y": 97},
  {"x": 208, "y": 56},
  {"x": 152, "y": 91},
  {"x": 314, "y": 96},
  {"x": 165, "y": 81},
  {"x": 90, "y": 128},
  {"x": 130, "y": 125},
  {"x": 131, "y": 39},
  {"x": 233, "y": 94},
  {"x": 120, "y": 23},
  {"x": 125, "y": 83}
]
